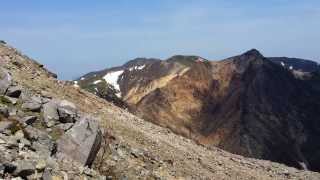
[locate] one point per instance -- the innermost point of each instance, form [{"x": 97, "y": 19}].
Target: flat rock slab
[{"x": 82, "y": 142}]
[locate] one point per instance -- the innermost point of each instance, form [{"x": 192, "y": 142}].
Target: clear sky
[{"x": 72, "y": 37}]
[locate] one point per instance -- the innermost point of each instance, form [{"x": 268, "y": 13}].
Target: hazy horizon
[{"x": 76, "y": 37}]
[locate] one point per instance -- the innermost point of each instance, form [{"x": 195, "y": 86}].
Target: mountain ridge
[{"x": 217, "y": 102}]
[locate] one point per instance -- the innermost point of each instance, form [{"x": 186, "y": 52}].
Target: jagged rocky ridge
[
  {"x": 132, "y": 148},
  {"x": 258, "y": 107}
]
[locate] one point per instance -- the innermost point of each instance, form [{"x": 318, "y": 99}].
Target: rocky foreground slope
[{"x": 131, "y": 148}]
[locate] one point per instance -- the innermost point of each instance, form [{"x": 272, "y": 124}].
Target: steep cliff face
[{"x": 247, "y": 104}]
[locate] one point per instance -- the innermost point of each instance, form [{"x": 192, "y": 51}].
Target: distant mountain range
[{"x": 265, "y": 108}]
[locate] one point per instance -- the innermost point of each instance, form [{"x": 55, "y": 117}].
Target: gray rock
[
  {"x": 5, "y": 80},
  {"x": 31, "y": 106},
  {"x": 47, "y": 174},
  {"x": 82, "y": 142},
  {"x": 67, "y": 111},
  {"x": 65, "y": 126},
  {"x": 4, "y": 110},
  {"x": 14, "y": 91},
  {"x": 11, "y": 100},
  {"x": 24, "y": 168},
  {"x": 2, "y": 169},
  {"x": 31, "y": 103},
  {"x": 19, "y": 135},
  {"x": 25, "y": 142},
  {"x": 12, "y": 142},
  {"x": 28, "y": 120},
  {"x": 50, "y": 113},
  {"x": 41, "y": 141},
  {"x": 41, "y": 165},
  {"x": 5, "y": 125},
  {"x": 9, "y": 167},
  {"x": 46, "y": 94}
]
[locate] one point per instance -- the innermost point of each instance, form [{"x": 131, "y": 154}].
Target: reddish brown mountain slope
[{"x": 246, "y": 104}]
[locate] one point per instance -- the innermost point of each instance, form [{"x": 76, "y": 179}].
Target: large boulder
[
  {"x": 5, "y": 81},
  {"x": 50, "y": 113},
  {"x": 82, "y": 142},
  {"x": 67, "y": 111}
]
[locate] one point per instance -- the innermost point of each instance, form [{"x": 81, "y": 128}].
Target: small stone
[
  {"x": 17, "y": 178},
  {"x": 13, "y": 111},
  {"x": 56, "y": 178},
  {"x": 5, "y": 125},
  {"x": 9, "y": 168},
  {"x": 47, "y": 174},
  {"x": 11, "y": 100},
  {"x": 24, "y": 168},
  {"x": 67, "y": 111},
  {"x": 31, "y": 106},
  {"x": 28, "y": 120},
  {"x": 12, "y": 142},
  {"x": 41, "y": 165},
  {"x": 65, "y": 126},
  {"x": 4, "y": 110},
  {"x": 25, "y": 142},
  {"x": 46, "y": 94},
  {"x": 2, "y": 141},
  {"x": 2, "y": 168},
  {"x": 19, "y": 135}
]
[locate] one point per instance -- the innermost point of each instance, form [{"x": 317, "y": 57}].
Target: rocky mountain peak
[
  {"x": 253, "y": 52},
  {"x": 250, "y": 59}
]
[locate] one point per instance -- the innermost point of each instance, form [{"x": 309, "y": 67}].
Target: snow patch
[
  {"x": 97, "y": 82},
  {"x": 137, "y": 67},
  {"x": 291, "y": 68},
  {"x": 75, "y": 84},
  {"x": 283, "y": 64},
  {"x": 82, "y": 78},
  {"x": 112, "y": 78}
]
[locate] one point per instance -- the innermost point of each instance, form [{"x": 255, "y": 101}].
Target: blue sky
[{"x": 74, "y": 37}]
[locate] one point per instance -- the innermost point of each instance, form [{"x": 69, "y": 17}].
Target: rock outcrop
[{"x": 31, "y": 142}]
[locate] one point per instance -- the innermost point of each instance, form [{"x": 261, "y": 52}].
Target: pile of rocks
[{"x": 43, "y": 137}]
